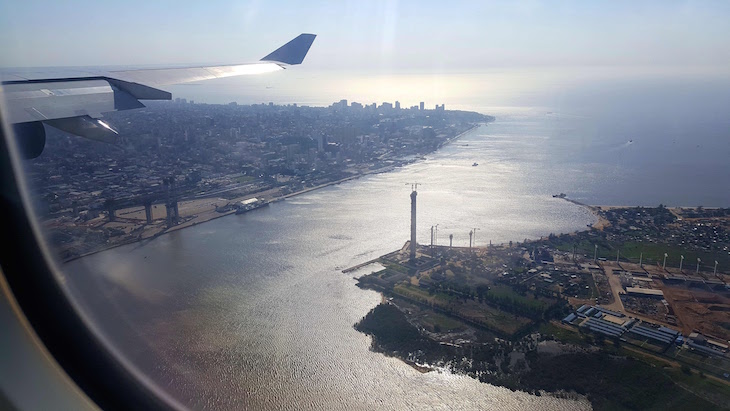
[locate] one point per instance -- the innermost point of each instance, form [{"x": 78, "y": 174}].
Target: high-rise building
[
  {"x": 421, "y": 106},
  {"x": 397, "y": 105}
]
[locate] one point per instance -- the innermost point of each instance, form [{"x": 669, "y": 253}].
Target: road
[{"x": 614, "y": 281}]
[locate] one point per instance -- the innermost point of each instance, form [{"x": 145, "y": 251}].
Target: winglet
[{"x": 292, "y": 52}]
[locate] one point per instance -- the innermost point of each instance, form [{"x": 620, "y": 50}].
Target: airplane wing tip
[{"x": 292, "y": 52}]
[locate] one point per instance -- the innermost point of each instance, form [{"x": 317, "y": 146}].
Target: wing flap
[
  {"x": 43, "y": 101},
  {"x": 39, "y": 101},
  {"x": 85, "y": 126}
]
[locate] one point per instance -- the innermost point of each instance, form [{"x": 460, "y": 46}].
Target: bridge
[{"x": 171, "y": 193}]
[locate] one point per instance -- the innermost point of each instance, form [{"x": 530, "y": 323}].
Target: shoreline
[
  {"x": 273, "y": 200},
  {"x": 601, "y": 221}
]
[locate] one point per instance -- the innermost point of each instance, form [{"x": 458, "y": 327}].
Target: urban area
[{"x": 178, "y": 163}]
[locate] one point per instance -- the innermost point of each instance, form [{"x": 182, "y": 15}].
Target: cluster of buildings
[
  {"x": 205, "y": 149},
  {"x": 707, "y": 230},
  {"x": 602, "y": 321},
  {"x": 385, "y": 106}
]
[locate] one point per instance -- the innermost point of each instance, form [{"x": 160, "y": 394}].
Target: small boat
[
  {"x": 475, "y": 164},
  {"x": 561, "y": 195}
]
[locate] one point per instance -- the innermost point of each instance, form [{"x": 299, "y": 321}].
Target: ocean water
[{"x": 253, "y": 311}]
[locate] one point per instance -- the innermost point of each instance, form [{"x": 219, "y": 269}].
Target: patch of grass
[
  {"x": 397, "y": 267},
  {"x": 419, "y": 294},
  {"x": 632, "y": 250},
  {"x": 613, "y": 383},
  {"x": 492, "y": 318},
  {"x": 244, "y": 179},
  {"x": 644, "y": 358},
  {"x": 654, "y": 253},
  {"x": 708, "y": 364},
  {"x": 695, "y": 380},
  {"x": 561, "y": 334},
  {"x": 505, "y": 291},
  {"x": 441, "y": 323}
]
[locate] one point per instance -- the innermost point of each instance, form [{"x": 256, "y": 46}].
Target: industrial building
[
  {"x": 661, "y": 335},
  {"x": 614, "y": 324},
  {"x": 644, "y": 292}
]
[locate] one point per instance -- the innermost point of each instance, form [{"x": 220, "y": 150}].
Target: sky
[
  {"x": 440, "y": 51},
  {"x": 369, "y": 35}
]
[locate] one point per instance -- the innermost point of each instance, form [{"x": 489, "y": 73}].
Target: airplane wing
[{"x": 75, "y": 101}]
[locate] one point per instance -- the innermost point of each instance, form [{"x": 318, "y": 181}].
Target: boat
[
  {"x": 250, "y": 207},
  {"x": 561, "y": 195},
  {"x": 475, "y": 164}
]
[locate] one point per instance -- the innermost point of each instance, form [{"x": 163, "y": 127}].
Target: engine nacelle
[{"x": 31, "y": 138}]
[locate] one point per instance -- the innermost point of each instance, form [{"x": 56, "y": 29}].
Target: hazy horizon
[
  {"x": 380, "y": 35},
  {"x": 562, "y": 55}
]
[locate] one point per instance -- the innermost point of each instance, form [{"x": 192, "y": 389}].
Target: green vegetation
[
  {"x": 698, "y": 383},
  {"x": 390, "y": 329},
  {"x": 442, "y": 323},
  {"x": 611, "y": 384},
  {"x": 561, "y": 334},
  {"x": 505, "y": 292},
  {"x": 504, "y": 297},
  {"x": 639, "y": 355},
  {"x": 710, "y": 388},
  {"x": 397, "y": 267},
  {"x": 491, "y": 318},
  {"x": 632, "y": 250},
  {"x": 712, "y": 365},
  {"x": 244, "y": 179},
  {"x": 654, "y": 231},
  {"x": 422, "y": 296}
]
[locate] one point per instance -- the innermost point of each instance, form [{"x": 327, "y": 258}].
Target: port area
[
  {"x": 507, "y": 314},
  {"x": 130, "y": 224}
]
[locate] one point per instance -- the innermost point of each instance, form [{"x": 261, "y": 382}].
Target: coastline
[
  {"x": 601, "y": 221},
  {"x": 215, "y": 215}
]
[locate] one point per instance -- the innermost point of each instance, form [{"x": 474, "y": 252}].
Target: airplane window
[{"x": 388, "y": 205}]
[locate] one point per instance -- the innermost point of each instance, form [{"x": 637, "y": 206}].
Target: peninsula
[{"x": 597, "y": 313}]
